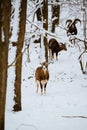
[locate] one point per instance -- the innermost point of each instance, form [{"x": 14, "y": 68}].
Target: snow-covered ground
[
  {"x": 64, "y": 102},
  {"x": 64, "y": 107}
]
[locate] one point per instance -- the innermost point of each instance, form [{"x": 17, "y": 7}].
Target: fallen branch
[{"x": 75, "y": 117}]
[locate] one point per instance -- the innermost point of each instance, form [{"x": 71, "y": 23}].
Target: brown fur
[
  {"x": 42, "y": 76},
  {"x": 55, "y": 47}
]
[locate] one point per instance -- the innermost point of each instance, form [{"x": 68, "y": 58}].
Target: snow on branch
[
  {"x": 36, "y": 7},
  {"x": 43, "y": 30}
]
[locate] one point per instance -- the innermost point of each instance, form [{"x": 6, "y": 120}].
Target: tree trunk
[
  {"x": 45, "y": 26},
  {"x": 38, "y": 13},
  {"x": 18, "y": 70},
  {"x": 55, "y": 16},
  {"x": 84, "y": 19},
  {"x": 5, "y": 10}
]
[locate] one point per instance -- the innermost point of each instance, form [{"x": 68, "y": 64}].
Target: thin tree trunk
[
  {"x": 45, "y": 26},
  {"x": 55, "y": 16},
  {"x": 5, "y": 10},
  {"x": 38, "y": 13},
  {"x": 18, "y": 70},
  {"x": 84, "y": 19}
]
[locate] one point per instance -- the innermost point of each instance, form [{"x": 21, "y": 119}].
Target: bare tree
[
  {"x": 5, "y": 11},
  {"x": 18, "y": 70},
  {"x": 45, "y": 26},
  {"x": 55, "y": 15},
  {"x": 84, "y": 17},
  {"x": 38, "y": 12}
]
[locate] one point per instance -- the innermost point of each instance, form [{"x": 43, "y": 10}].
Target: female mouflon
[
  {"x": 55, "y": 47},
  {"x": 42, "y": 77}
]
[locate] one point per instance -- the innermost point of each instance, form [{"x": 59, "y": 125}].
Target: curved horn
[
  {"x": 68, "y": 22},
  {"x": 77, "y": 20}
]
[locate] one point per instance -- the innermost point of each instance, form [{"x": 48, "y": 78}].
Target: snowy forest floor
[{"x": 63, "y": 108}]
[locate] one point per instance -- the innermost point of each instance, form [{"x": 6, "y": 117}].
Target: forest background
[{"x": 25, "y": 29}]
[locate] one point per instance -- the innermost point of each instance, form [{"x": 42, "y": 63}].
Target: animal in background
[
  {"x": 71, "y": 26},
  {"x": 42, "y": 77},
  {"x": 55, "y": 47}
]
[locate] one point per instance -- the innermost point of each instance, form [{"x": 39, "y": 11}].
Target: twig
[
  {"x": 81, "y": 54},
  {"x": 17, "y": 58},
  {"x": 63, "y": 27}
]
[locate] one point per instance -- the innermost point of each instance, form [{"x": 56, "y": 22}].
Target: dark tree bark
[
  {"x": 38, "y": 13},
  {"x": 84, "y": 19},
  {"x": 18, "y": 70},
  {"x": 45, "y": 26},
  {"x": 5, "y": 11},
  {"x": 39, "y": 18},
  {"x": 55, "y": 16}
]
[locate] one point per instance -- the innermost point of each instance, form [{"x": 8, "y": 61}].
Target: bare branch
[
  {"x": 44, "y": 31},
  {"x": 13, "y": 63}
]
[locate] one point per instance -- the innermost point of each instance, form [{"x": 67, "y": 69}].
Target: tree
[
  {"x": 55, "y": 15},
  {"x": 45, "y": 26},
  {"x": 38, "y": 12},
  {"x": 84, "y": 18},
  {"x": 5, "y": 11},
  {"x": 18, "y": 70},
  {"x": 42, "y": 15}
]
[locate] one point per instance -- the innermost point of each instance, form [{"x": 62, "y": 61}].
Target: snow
[
  {"x": 66, "y": 96},
  {"x": 15, "y": 20},
  {"x": 65, "y": 102}
]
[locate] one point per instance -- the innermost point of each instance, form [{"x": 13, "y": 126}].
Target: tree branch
[
  {"x": 44, "y": 31},
  {"x": 12, "y": 64}
]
